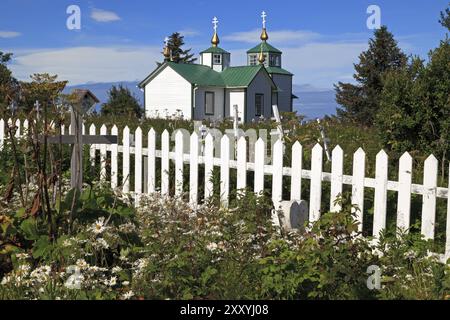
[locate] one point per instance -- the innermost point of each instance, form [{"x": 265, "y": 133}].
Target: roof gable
[
  {"x": 264, "y": 47},
  {"x": 214, "y": 50}
]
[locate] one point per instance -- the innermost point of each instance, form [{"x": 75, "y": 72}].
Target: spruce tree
[
  {"x": 176, "y": 42},
  {"x": 360, "y": 102},
  {"x": 121, "y": 102}
]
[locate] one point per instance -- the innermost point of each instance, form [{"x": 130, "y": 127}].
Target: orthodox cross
[
  {"x": 215, "y": 22},
  {"x": 77, "y": 140},
  {"x": 264, "y": 16}
]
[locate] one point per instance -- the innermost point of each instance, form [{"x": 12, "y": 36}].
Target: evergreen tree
[
  {"x": 176, "y": 42},
  {"x": 445, "y": 18},
  {"x": 360, "y": 102},
  {"x": 9, "y": 86},
  {"x": 121, "y": 102}
]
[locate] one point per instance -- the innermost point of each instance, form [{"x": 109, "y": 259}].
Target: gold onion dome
[
  {"x": 166, "y": 52},
  {"x": 264, "y": 35},
  {"x": 215, "y": 40}
]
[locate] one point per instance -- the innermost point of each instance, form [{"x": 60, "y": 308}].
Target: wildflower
[
  {"x": 212, "y": 246},
  {"x": 67, "y": 243},
  {"x": 111, "y": 282},
  {"x": 128, "y": 295},
  {"x": 82, "y": 264},
  {"x": 126, "y": 283},
  {"x": 116, "y": 269},
  {"x": 22, "y": 256},
  {"x": 101, "y": 243},
  {"x": 99, "y": 226},
  {"x": 127, "y": 227}
]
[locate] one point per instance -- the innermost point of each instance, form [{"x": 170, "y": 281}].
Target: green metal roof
[
  {"x": 214, "y": 50},
  {"x": 198, "y": 74},
  {"x": 278, "y": 70},
  {"x": 264, "y": 47},
  {"x": 240, "y": 76}
]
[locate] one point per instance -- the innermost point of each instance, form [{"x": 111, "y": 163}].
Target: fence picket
[
  {"x": 380, "y": 201},
  {"x": 296, "y": 175},
  {"x": 179, "y": 153},
  {"x": 429, "y": 198},
  {"x": 359, "y": 169},
  {"x": 25, "y": 127},
  {"x": 337, "y": 171},
  {"x": 259, "y": 166},
  {"x": 2, "y": 133},
  {"x": 126, "y": 160},
  {"x": 151, "y": 161},
  {"x": 277, "y": 178},
  {"x": 225, "y": 154},
  {"x": 447, "y": 242},
  {"x": 114, "y": 159},
  {"x": 404, "y": 192},
  {"x": 165, "y": 145},
  {"x": 138, "y": 164},
  {"x": 17, "y": 134},
  {"x": 241, "y": 163},
  {"x": 193, "y": 168},
  {"x": 103, "y": 131},
  {"x": 316, "y": 183},
  {"x": 93, "y": 147},
  {"x": 209, "y": 165}
]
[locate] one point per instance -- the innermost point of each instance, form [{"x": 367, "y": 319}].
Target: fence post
[
  {"x": 447, "y": 242},
  {"x": 296, "y": 172},
  {"x": 126, "y": 160},
  {"x": 429, "y": 197},
  {"x": 337, "y": 171},
  {"x": 259, "y": 166},
  {"x": 17, "y": 135},
  {"x": 193, "y": 168},
  {"x": 151, "y": 160},
  {"x": 103, "y": 131},
  {"x": 114, "y": 159},
  {"x": 316, "y": 183},
  {"x": 138, "y": 165},
  {"x": 404, "y": 191},
  {"x": 225, "y": 170},
  {"x": 179, "y": 163},
  {"x": 93, "y": 147},
  {"x": 25, "y": 127},
  {"x": 209, "y": 165},
  {"x": 241, "y": 163},
  {"x": 380, "y": 201},
  {"x": 359, "y": 171},
  {"x": 2, "y": 133},
  {"x": 165, "y": 145}
]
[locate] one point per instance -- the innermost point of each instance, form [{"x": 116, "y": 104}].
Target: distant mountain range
[{"x": 313, "y": 102}]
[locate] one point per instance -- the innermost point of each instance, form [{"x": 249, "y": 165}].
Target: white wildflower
[
  {"x": 101, "y": 243},
  {"x": 98, "y": 226},
  {"x": 116, "y": 269},
  {"x": 82, "y": 264},
  {"x": 212, "y": 246},
  {"x": 128, "y": 295},
  {"x": 126, "y": 283}
]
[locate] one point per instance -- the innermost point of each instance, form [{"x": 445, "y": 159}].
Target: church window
[
  {"x": 253, "y": 60},
  {"x": 209, "y": 103},
  {"x": 217, "y": 59},
  {"x": 259, "y": 104}
]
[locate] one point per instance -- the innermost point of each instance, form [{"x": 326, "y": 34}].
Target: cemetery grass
[{"x": 97, "y": 245}]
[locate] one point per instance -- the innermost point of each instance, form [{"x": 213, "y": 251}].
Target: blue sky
[{"x": 121, "y": 40}]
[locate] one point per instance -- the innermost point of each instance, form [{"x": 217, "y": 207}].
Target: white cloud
[
  {"x": 189, "y": 32},
  {"x": 280, "y": 36},
  {"x": 9, "y": 34},
  {"x": 80, "y": 65},
  {"x": 100, "y": 15}
]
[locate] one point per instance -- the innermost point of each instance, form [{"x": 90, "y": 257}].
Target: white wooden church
[{"x": 213, "y": 89}]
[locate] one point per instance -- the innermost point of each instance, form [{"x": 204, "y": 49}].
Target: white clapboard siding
[
  {"x": 138, "y": 163},
  {"x": 225, "y": 153},
  {"x": 404, "y": 192},
  {"x": 359, "y": 168},
  {"x": 209, "y": 165},
  {"x": 296, "y": 173},
  {"x": 380, "y": 202},
  {"x": 151, "y": 161},
  {"x": 241, "y": 163},
  {"x": 126, "y": 160},
  {"x": 193, "y": 170},
  {"x": 93, "y": 147},
  {"x": 316, "y": 183},
  {"x": 103, "y": 154},
  {"x": 259, "y": 166},
  {"x": 114, "y": 159},
  {"x": 337, "y": 175},
  {"x": 165, "y": 148},
  {"x": 429, "y": 198},
  {"x": 179, "y": 151}
]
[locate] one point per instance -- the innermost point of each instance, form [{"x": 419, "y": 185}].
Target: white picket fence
[{"x": 261, "y": 167}]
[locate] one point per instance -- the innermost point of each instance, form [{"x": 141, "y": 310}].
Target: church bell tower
[{"x": 215, "y": 57}]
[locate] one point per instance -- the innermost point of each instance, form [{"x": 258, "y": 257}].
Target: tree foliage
[
  {"x": 121, "y": 102},
  {"x": 44, "y": 88},
  {"x": 9, "y": 86},
  {"x": 360, "y": 102},
  {"x": 179, "y": 55}
]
